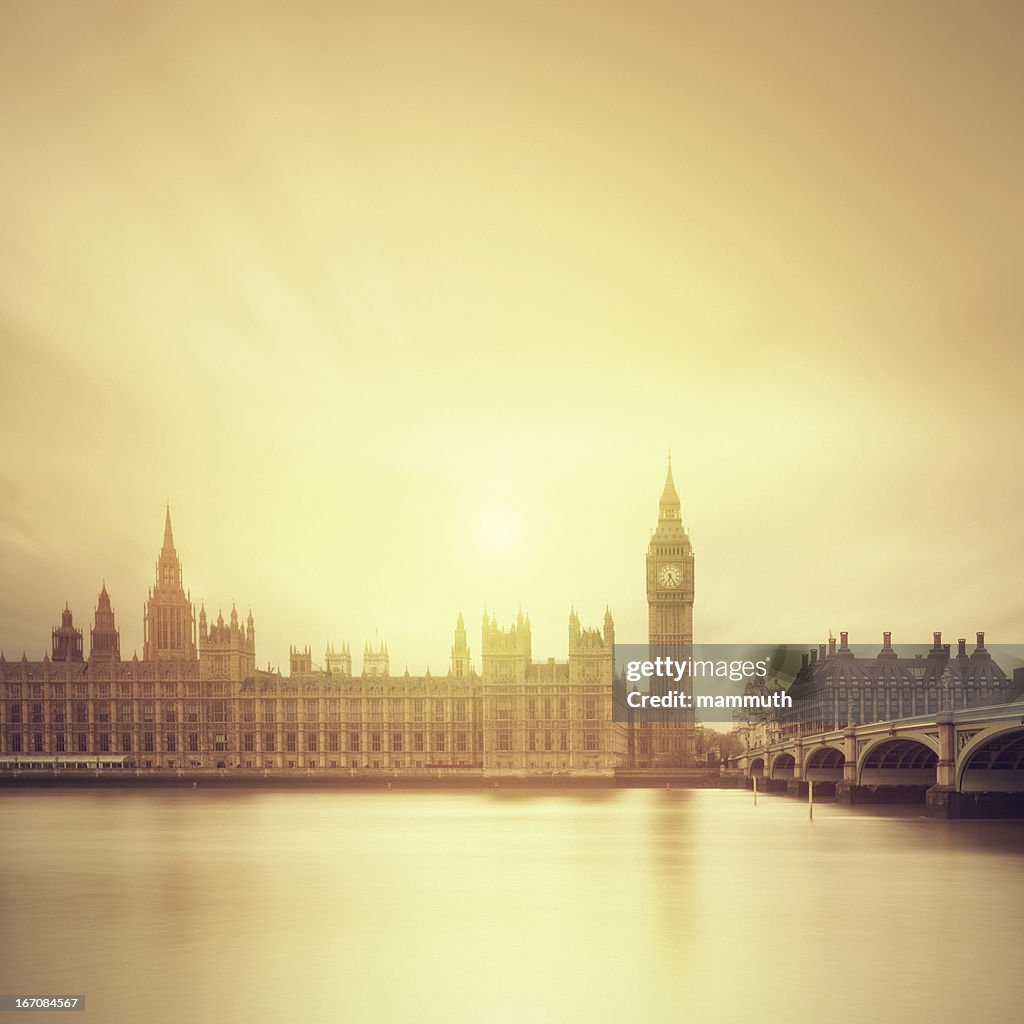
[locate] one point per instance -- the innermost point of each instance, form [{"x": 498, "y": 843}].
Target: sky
[{"x": 401, "y": 306}]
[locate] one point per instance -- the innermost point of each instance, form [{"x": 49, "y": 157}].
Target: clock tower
[
  {"x": 668, "y": 743},
  {"x": 670, "y": 574}
]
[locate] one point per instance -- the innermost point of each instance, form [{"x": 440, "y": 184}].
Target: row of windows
[
  {"x": 268, "y": 711},
  {"x": 418, "y": 742}
]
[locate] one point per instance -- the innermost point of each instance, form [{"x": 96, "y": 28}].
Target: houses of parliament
[{"x": 195, "y": 699}]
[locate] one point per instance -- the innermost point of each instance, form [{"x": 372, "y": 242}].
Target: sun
[{"x": 499, "y": 531}]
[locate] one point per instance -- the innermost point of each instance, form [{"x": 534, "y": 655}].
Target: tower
[
  {"x": 506, "y": 653},
  {"x": 67, "y": 641},
  {"x": 169, "y": 623},
  {"x": 668, "y": 743},
  {"x": 376, "y": 661},
  {"x": 300, "y": 661},
  {"x": 105, "y": 640},
  {"x": 670, "y": 573},
  {"x": 227, "y": 651},
  {"x": 461, "y": 665},
  {"x": 338, "y": 662}
]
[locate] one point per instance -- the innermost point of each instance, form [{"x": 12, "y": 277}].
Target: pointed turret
[
  {"x": 461, "y": 665},
  {"x": 105, "y": 640}
]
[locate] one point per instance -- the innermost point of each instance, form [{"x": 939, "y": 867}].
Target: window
[
  {"x": 291, "y": 742},
  {"x": 417, "y": 710},
  {"x": 268, "y": 741},
  {"x": 193, "y": 742},
  {"x": 333, "y": 710},
  {"x": 81, "y": 742},
  {"x": 147, "y": 711},
  {"x": 126, "y": 742},
  {"x": 590, "y": 740},
  {"x": 248, "y": 742},
  {"x": 311, "y": 710},
  {"x": 148, "y": 742},
  {"x": 459, "y": 710},
  {"x": 503, "y": 709},
  {"x": 36, "y": 712},
  {"x": 220, "y": 741},
  {"x": 104, "y": 738},
  {"x": 353, "y": 742},
  {"x": 171, "y": 743},
  {"x": 396, "y": 741},
  {"x": 439, "y": 711},
  {"x": 332, "y": 743},
  {"x": 417, "y": 741},
  {"x": 375, "y": 741},
  {"x": 311, "y": 742},
  {"x": 590, "y": 708},
  {"x": 504, "y": 739},
  {"x": 291, "y": 709},
  {"x": 439, "y": 742},
  {"x": 59, "y": 743},
  {"x": 374, "y": 709},
  {"x": 37, "y": 742}
]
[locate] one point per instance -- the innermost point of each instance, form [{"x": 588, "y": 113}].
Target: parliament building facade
[{"x": 195, "y": 700}]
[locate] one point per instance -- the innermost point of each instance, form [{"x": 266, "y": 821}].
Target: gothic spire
[{"x": 168, "y": 535}]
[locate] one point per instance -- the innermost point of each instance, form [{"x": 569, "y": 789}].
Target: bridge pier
[
  {"x": 796, "y": 787},
  {"x": 849, "y": 793},
  {"x": 946, "y": 802}
]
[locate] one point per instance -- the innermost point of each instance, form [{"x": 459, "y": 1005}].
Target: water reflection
[{"x": 504, "y": 906}]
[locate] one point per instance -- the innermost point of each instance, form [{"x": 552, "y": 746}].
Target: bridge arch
[
  {"x": 756, "y": 768},
  {"x": 783, "y": 766},
  {"x": 908, "y": 760},
  {"x": 992, "y": 761},
  {"x": 824, "y": 764}
]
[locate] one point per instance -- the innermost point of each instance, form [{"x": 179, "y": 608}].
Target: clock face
[{"x": 669, "y": 576}]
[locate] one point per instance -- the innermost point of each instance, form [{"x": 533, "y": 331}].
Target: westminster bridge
[{"x": 966, "y": 763}]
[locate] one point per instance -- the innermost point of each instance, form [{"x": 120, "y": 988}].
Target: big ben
[{"x": 670, "y": 625}]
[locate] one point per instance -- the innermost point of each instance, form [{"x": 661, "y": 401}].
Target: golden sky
[{"x": 400, "y": 305}]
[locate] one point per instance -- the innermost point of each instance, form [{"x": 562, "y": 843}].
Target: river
[{"x": 504, "y": 906}]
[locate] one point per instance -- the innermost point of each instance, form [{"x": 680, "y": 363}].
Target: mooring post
[{"x": 810, "y": 800}]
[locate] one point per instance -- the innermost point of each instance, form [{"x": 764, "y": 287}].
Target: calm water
[{"x": 500, "y": 906}]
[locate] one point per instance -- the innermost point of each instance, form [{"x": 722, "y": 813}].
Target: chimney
[
  {"x": 936, "y": 640},
  {"x": 962, "y": 644},
  {"x": 831, "y": 645},
  {"x": 843, "y": 638},
  {"x": 887, "y": 639},
  {"x": 814, "y": 655},
  {"x": 803, "y": 661},
  {"x": 981, "y": 641},
  {"x": 821, "y": 651}
]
